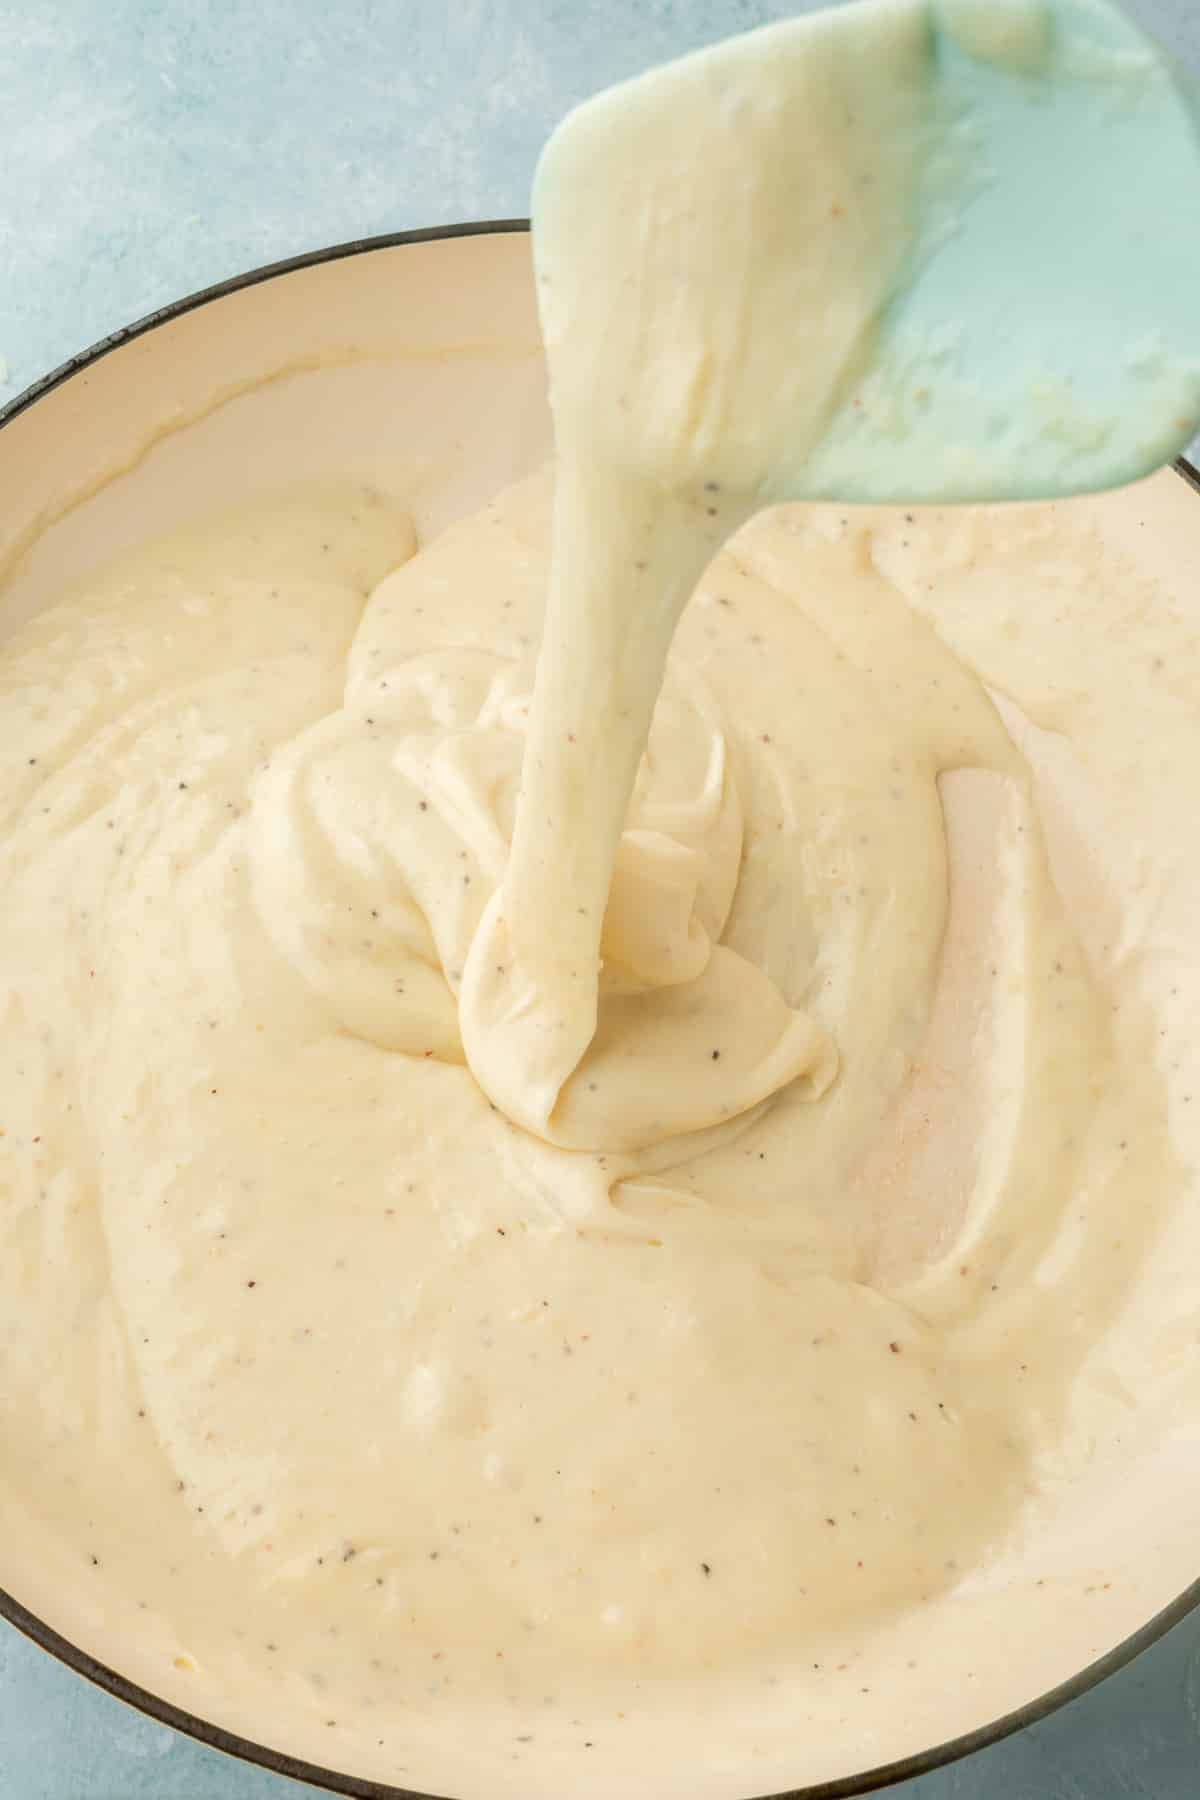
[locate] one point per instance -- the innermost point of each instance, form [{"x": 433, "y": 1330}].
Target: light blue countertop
[{"x": 151, "y": 147}]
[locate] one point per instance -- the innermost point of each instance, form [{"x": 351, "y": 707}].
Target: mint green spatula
[{"x": 1011, "y": 188}]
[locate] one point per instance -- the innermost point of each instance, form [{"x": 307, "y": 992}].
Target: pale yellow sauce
[
  {"x": 519, "y": 1213},
  {"x": 401, "y": 1389}
]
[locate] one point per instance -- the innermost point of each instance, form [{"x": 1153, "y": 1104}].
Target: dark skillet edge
[
  {"x": 277, "y": 1762},
  {"x": 1189, "y": 471}
]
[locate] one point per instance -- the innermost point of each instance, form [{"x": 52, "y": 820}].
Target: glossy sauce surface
[
  {"x": 579, "y": 1190},
  {"x": 431, "y": 1398}
]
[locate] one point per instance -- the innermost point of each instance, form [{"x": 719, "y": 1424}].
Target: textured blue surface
[{"x": 153, "y": 146}]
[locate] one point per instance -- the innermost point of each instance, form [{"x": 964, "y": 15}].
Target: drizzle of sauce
[{"x": 538, "y": 1179}]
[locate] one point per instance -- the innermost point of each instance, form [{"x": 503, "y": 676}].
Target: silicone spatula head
[{"x": 897, "y": 251}]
